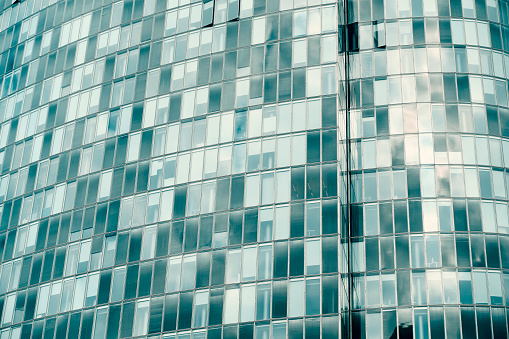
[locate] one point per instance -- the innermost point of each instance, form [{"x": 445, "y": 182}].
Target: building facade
[
  {"x": 429, "y": 152},
  {"x": 254, "y": 169}
]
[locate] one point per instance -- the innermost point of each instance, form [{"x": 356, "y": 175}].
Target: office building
[{"x": 257, "y": 169}]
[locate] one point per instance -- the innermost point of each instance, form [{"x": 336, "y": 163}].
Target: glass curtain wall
[
  {"x": 428, "y": 163},
  {"x": 169, "y": 169},
  {"x": 208, "y": 169}
]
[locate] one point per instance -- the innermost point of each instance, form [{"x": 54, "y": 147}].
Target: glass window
[
  {"x": 201, "y": 300},
  {"x": 188, "y": 272},
  {"x": 173, "y": 275},
  {"x": 42, "y": 303},
  {"x": 312, "y": 296},
  {"x": 480, "y": 287},
  {"x": 79, "y": 291},
  {"x": 246, "y": 8},
  {"x": 313, "y": 259},
  {"x": 373, "y": 290},
  {"x": 249, "y": 264},
  {"x": 141, "y": 319},
  {"x": 296, "y": 298},
  {"x": 264, "y": 262},
  {"x": 299, "y": 23},
  {"x": 231, "y": 305},
  {"x": 247, "y": 303},
  {"x": 258, "y": 33},
  {"x": 263, "y": 298}
]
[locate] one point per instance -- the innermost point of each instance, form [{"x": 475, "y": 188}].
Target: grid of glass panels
[
  {"x": 175, "y": 169},
  {"x": 169, "y": 169},
  {"x": 429, "y": 157}
]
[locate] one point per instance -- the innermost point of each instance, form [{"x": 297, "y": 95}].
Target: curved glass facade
[
  {"x": 256, "y": 169},
  {"x": 429, "y": 156}
]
